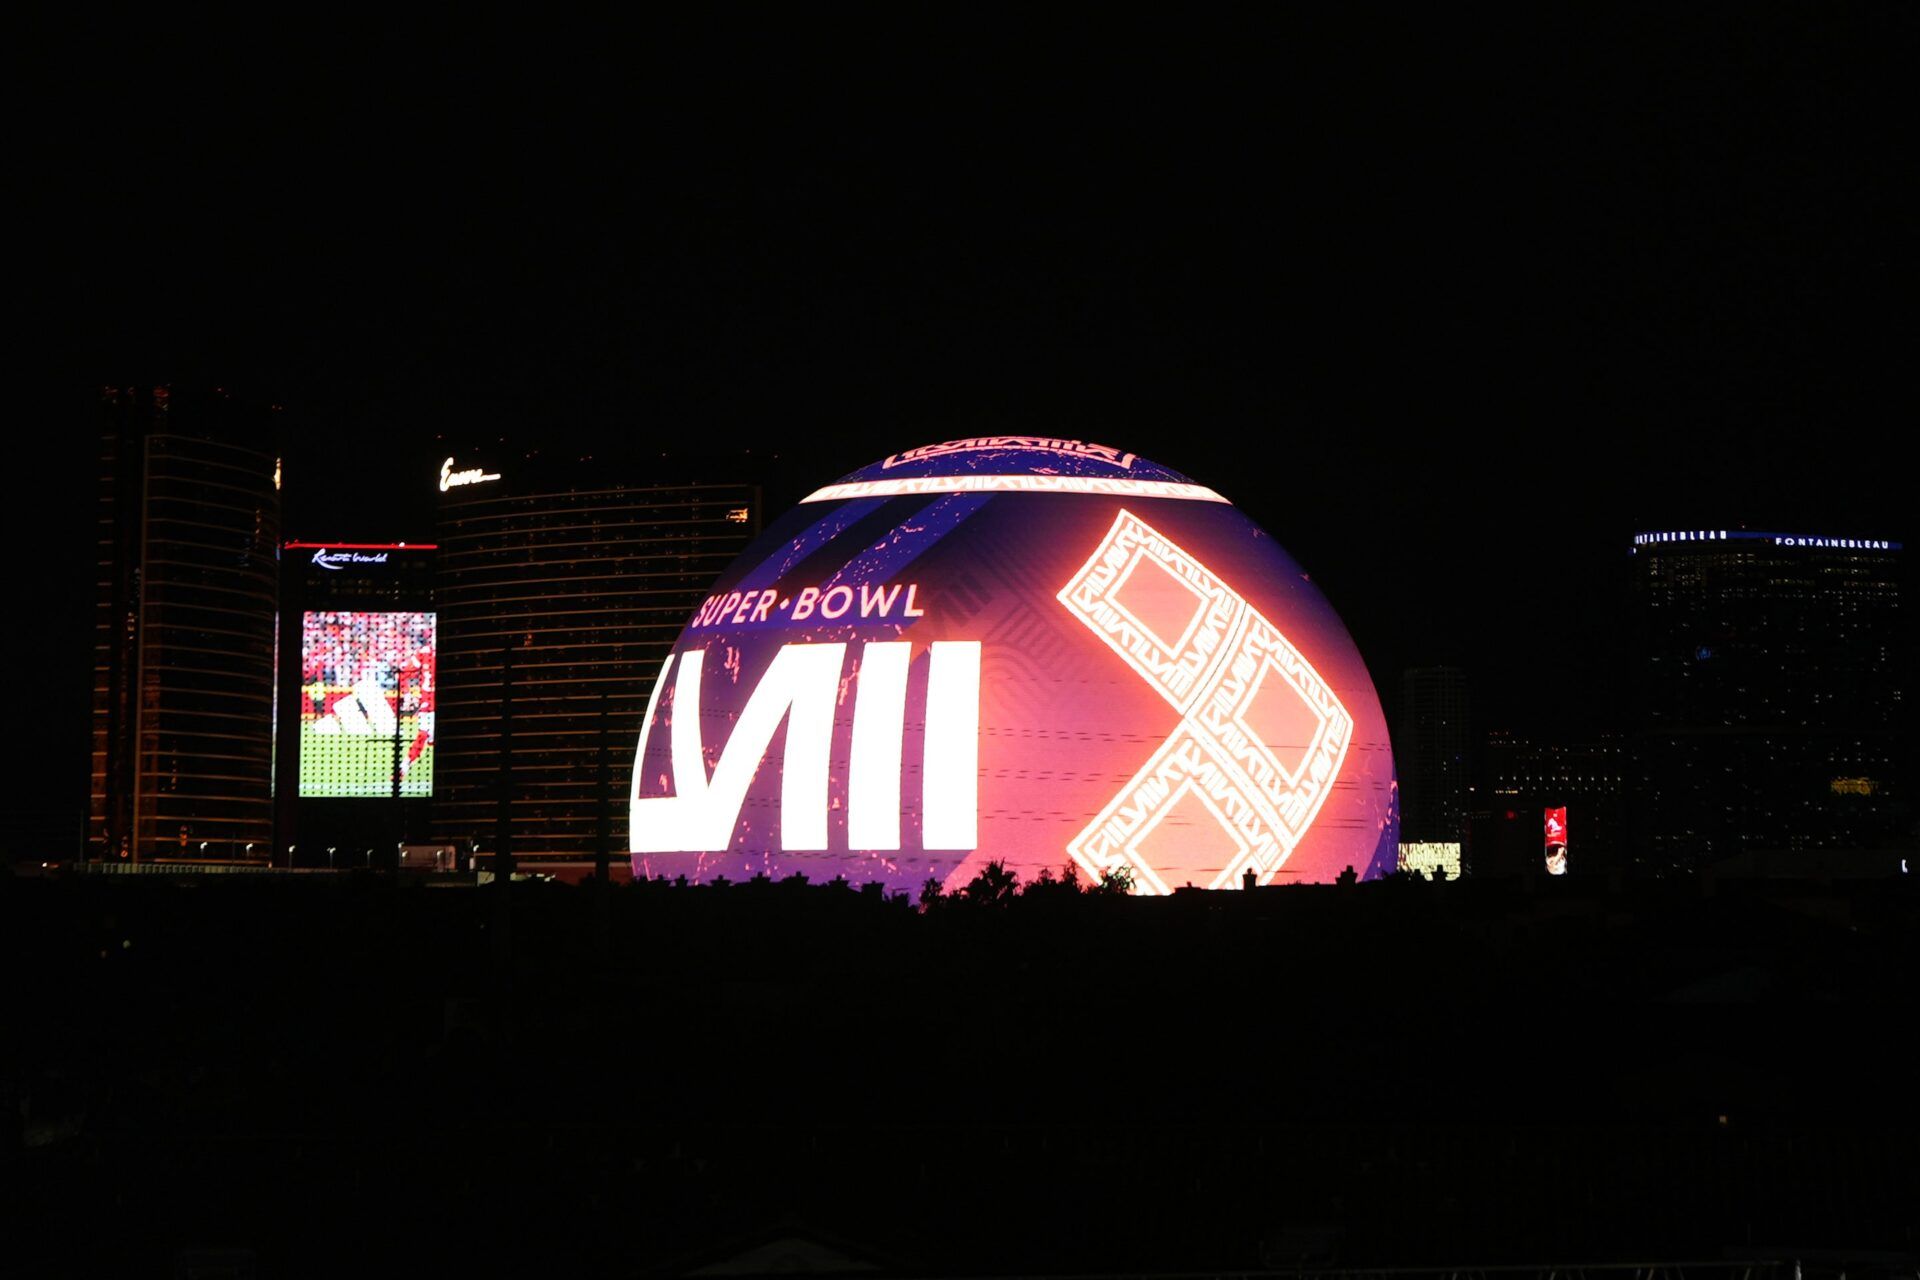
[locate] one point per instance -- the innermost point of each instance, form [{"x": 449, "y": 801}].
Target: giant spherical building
[{"x": 1040, "y": 652}]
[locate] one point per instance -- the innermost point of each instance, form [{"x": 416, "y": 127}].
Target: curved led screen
[{"x": 1040, "y": 652}]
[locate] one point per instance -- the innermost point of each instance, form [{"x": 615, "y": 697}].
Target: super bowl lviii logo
[
  {"x": 1246, "y": 699},
  {"x": 802, "y": 688},
  {"x": 1037, "y": 652}
]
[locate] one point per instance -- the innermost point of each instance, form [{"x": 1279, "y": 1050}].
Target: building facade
[
  {"x": 355, "y": 745},
  {"x": 1433, "y": 755},
  {"x": 1522, "y": 778},
  {"x": 186, "y": 598},
  {"x": 1770, "y": 672},
  {"x": 561, "y": 587}
]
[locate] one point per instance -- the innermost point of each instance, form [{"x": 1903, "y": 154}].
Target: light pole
[
  {"x": 290, "y": 849},
  {"x": 330, "y": 849}
]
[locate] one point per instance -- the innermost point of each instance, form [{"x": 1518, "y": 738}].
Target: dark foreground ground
[{"x": 306, "y": 1079}]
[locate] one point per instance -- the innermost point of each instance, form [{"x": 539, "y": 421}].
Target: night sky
[{"x": 1451, "y": 304}]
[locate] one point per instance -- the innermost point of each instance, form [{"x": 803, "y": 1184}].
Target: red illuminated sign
[{"x": 1557, "y": 841}]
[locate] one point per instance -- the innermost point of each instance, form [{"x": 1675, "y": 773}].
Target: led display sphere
[{"x": 1039, "y": 652}]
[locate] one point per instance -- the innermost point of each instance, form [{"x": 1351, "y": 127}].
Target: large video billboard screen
[
  {"x": 366, "y": 704},
  {"x": 1039, "y": 652}
]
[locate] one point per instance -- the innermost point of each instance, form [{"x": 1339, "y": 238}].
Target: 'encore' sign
[{"x": 451, "y": 479}]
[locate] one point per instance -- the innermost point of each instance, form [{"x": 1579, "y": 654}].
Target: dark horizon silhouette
[{"x": 1510, "y": 288}]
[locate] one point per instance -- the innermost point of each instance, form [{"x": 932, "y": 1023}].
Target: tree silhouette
[
  {"x": 1114, "y": 882},
  {"x": 995, "y": 886}
]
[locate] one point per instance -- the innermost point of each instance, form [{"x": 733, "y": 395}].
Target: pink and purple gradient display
[{"x": 1035, "y": 651}]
